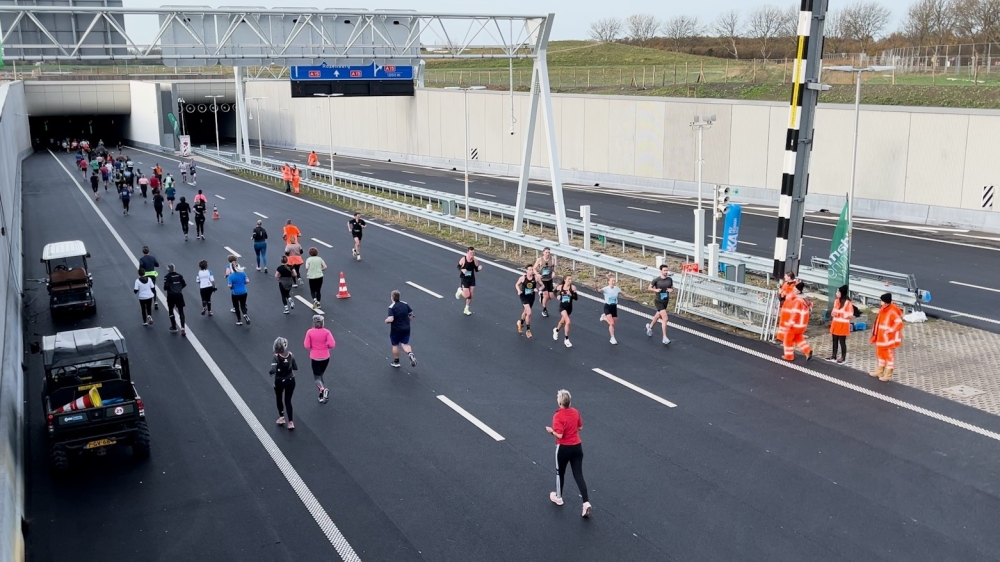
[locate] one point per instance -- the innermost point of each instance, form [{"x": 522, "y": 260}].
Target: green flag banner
[
  {"x": 840, "y": 255},
  {"x": 173, "y": 123}
]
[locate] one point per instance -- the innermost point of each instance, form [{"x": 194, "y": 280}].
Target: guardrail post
[{"x": 585, "y": 217}]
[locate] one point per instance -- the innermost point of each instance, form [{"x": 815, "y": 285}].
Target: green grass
[{"x": 580, "y": 54}]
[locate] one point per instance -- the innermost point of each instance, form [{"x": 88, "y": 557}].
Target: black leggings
[
  {"x": 146, "y": 305},
  {"x": 842, "y": 342},
  {"x": 184, "y": 224},
  {"x": 206, "y": 298},
  {"x": 159, "y": 212},
  {"x": 573, "y": 456},
  {"x": 319, "y": 367},
  {"x": 286, "y": 294},
  {"x": 284, "y": 388},
  {"x": 240, "y": 304},
  {"x": 199, "y": 226},
  {"x": 315, "y": 287},
  {"x": 125, "y": 203},
  {"x": 179, "y": 308}
]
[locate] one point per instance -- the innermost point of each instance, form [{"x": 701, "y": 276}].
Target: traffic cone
[
  {"x": 90, "y": 400},
  {"x": 342, "y": 293},
  {"x": 215, "y": 212}
]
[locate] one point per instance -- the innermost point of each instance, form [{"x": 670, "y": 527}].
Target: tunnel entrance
[
  {"x": 201, "y": 127},
  {"x": 109, "y": 128}
]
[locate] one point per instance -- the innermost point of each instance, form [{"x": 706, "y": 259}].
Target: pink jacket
[{"x": 319, "y": 342}]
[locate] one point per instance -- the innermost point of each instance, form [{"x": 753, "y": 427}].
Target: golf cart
[
  {"x": 69, "y": 283},
  {"x": 89, "y": 400}
]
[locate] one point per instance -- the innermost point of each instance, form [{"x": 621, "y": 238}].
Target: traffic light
[{"x": 721, "y": 199}]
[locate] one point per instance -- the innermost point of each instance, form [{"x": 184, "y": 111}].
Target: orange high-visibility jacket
[
  {"x": 313, "y": 159},
  {"x": 286, "y": 173},
  {"x": 787, "y": 289},
  {"x": 794, "y": 317},
  {"x": 296, "y": 177},
  {"x": 888, "y": 329},
  {"x": 841, "y": 314}
]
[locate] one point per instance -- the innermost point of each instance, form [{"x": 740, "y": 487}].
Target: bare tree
[
  {"x": 978, "y": 20},
  {"x": 642, "y": 27},
  {"x": 681, "y": 28},
  {"x": 929, "y": 21},
  {"x": 606, "y": 30},
  {"x": 764, "y": 25},
  {"x": 729, "y": 29},
  {"x": 833, "y": 31},
  {"x": 865, "y": 20}
]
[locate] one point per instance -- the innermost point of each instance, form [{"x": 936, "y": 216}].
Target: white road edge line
[
  {"x": 486, "y": 194},
  {"x": 991, "y": 239},
  {"x": 260, "y": 215},
  {"x": 424, "y": 289},
  {"x": 643, "y": 210},
  {"x": 774, "y": 360},
  {"x": 302, "y": 299},
  {"x": 220, "y": 197},
  {"x": 309, "y": 500},
  {"x": 537, "y": 192},
  {"x": 232, "y": 251},
  {"x": 640, "y": 390},
  {"x": 817, "y": 238},
  {"x": 420, "y": 182},
  {"x": 957, "y": 313},
  {"x": 974, "y": 286},
  {"x": 472, "y": 419},
  {"x": 748, "y": 243},
  {"x": 318, "y": 241}
]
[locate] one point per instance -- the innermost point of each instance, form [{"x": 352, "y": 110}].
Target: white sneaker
[
  {"x": 359, "y": 257},
  {"x": 587, "y": 509},
  {"x": 666, "y": 341},
  {"x": 286, "y": 310},
  {"x": 467, "y": 312},
  {"x": 614, "y": 341},
  {"x": 458, "y": 293},
  {"x": 567, "y": 343},
  {"x": 649, "y": 331},
  {"x": 602, "y": 318},
  {"x": 555, "y": 334},
  {"x": 232, "y": 310},
  {"x": 291, "y": 303},
  {"x": 555, "y": 499}
]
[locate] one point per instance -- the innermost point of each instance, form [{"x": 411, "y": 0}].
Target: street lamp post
[
  {"x": 465, "y": 92},
  {"x": 215, "y": 110},
  {"x": 180, "y": 104},
  {"x": 260, "y": 138},
  {"x": 700, "y": 124},
  {"x": 330, "y": 97}
]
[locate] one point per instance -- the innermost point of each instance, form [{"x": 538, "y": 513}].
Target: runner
[
  {"x": 154, "y": 185},
  {"x": 662, "y": 286},
  {"x": 566, "y": 293},
  {"x": 184, "y": 212},
  {"x": 126, "y": 197},
  {"x": 286, "y": 280},
  {"x": 314, "y": 273},
  {"x": 526, "y": 287},
  {"x": 400, "y": 315},
  {"x": 143, "y": 288},
  {"x": 566, "y": 427},
  {"x": 119, "y": 179},
  {"x": 200, "y": 208},
  {"x": 283, "y": 367},
  {"x": 238, "y": 281},
  {"x": 171, "y": 192},
  {"x": 143, "y": 186},
  {"x": 158, "y": 172},
  {"x": 183, "y": 167},
  {"x": 206, "y": 286},
  {"x": 95, "y": 184},
  {"x": 319, "y": 341},
  {"x": 293, "y": 252},
  {"x": 173, "y": 284},
  {"x": 610, "y": 314},
  {"x": 290, "y": 231},
  {"x": 545, "y": 265},
  {"x": 259, "y": 237},
  {"x": 149, "y": 263},
  {"x": 128, "y": 177},
  {"x": 82, "y": 164},
  {"x": 467, "y": 267},
  {"x": 106, "y": 175},
  {"x": 194, "y": 172},
  {"x": 158, "y": 206},
  {"x": 356, "y": 227}
]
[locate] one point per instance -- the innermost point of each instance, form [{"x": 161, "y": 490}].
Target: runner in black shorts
[
  {"x": 566, "y": 294},
  {"x": 610, "y": 314},
  {"x": 95, "y": 183},
  {"x": 662, "y": 286},
  {"x": 400, "y": 315},
  {"x": 526, "y": 287},
  {"x": 545, "y": 265},
  {"x": 356, "y": 227},
  {"x": 467, "y": 267}
]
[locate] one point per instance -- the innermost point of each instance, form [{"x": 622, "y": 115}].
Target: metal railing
[{"x": 746, "y": 307}]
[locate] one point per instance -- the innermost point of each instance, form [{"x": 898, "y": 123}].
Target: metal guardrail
[
  {"x": 734, "y": 304},
  {"x": 864, "y": 289},
  {"x": 751, "y": 308}
]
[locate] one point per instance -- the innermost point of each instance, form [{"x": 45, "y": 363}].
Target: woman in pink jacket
[{"x": 319, "y": 341}]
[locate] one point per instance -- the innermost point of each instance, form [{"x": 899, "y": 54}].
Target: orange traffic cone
[
  {"x": 90, "y": 400},
  {"x": 342, "y": 293},
  {"x": 215, "y": 212}
]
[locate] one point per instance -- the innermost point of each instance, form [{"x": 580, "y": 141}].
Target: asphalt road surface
[{"x": 757, "y": 461}]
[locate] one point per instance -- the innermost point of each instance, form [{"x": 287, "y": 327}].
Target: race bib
[
  {"x": 529, "y": 291},
  {"x": 467, "y": 273},
  {"x": 664, "y": 296},
  {"x": 546, "y": 271},
  {"x": 564, "y": 298},
  {"x": 612, "y": 300}
]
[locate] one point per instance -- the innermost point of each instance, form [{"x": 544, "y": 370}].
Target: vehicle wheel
[
  {"x": 93, "y": 310},
  {"x": 59, "y": 459},
  {"x": 140, "y": 444}
]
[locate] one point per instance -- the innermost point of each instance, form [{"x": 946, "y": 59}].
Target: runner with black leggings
[
  {"x": 319, "y": 341},
  {"x": 566, "y": 426},
  {"x": 283, "y": 369}
]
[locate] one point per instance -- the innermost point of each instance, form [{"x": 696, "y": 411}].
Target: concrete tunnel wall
[{"x": 924, "y": 165}]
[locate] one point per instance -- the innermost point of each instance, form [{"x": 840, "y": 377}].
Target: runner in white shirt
[
  {"x": 183, "y": 166},
  {"x": 206, "y": 286},
  {"x": 143, "y": 288}
]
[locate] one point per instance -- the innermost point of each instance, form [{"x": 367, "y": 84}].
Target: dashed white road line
[
  {"x": 418, "y": 181},
  {"x": 407, "y": 172},
  {"x": 578, "y": 212},
  {"x": 220, "y": 197},
  {"x": 424, "y": 289},
  {"x": 309, "y": 304},
  {"x": 311, "y": 503},
  {"x": 974, "y": 286},
  {"x": 260, "y": 215},
  {"x": 644, "y": 210},
  {"x": 365, "y": 165},
  {"x": 638, "y": 389},
  {"x": 367, "y": 173},
  {"x": 318, "y": 241},
  {"x": 747, "y": 243},
  {"x": 232, "y": 251},
  {"x": 486, "y": 194},
  {"x": 537, "y": 192},
  {"x": 957, "y": 313},
  {"x": 473, "y": 419},
  {"x": 817, "y": 238}
]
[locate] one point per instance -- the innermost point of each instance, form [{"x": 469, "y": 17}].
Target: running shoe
[
  {"x": 666, "y": 341},
  {"x": 291, "y": 425},
  {"x": 156, "y": 305},
  {"x": 265, "y": 270},
  {"x": 281, "y": 421},
  {"x": 413, "y": 360},
  {"x": 649, "y": 330},
  {"x": 520, "y": 327},
  {"x": 395, "y": 363},
  {"x": 232, "y": 309},
  {"x": 841, "y": 361},
  {"x": 258, "y": 268},
  {"x": 587, "y": 509},
  {"x": 527, "y": 333},
  {"x": 555, "y": 334},
  {"x": 359, "y": 257},
  {"x": 239, "y": 323},
  {"x": 287, "y": 310},
  {"x": 246, "y": 318},
  {"x": 326, "y": 395},
  {"x": 830, "y": 359},
  {"x": 602, "y": 317},
  {"x": 545, "y": 313},
  {"x": 458, "y": 293},
  {"x": 203, "y": 310},
  {"x": 554, "y": 498},
  {"x": 184, "y": 332},
  {"x": 291, "y": 304},
  {"x": 173, "y": 328},
  {"x": 567, "y": 343},
  {"x": 315, "y": 304},
  {"x": 149, "y": 319},
  {"x": 613, "y": 341},
  {"x": 467, "y": 312},
  {"x": 354, "y": 252},
  {"x": 210, "y": 313}
]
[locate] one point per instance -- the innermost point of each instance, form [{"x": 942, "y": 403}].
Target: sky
[{"x": 573, "y": 17}]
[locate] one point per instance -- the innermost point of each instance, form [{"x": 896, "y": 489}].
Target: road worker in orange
[
  {"x": 785, "y": 289},
  {"x": 840, "y": 324},
  {"x": 313, "y": 159},
  {"x": 290, "y": 232},
  {"x": 286, "y": 174},
  {"x": 794, "y": 319},
  {"x": 887, "y": 335},
  {"x": 296, "y": 179}
]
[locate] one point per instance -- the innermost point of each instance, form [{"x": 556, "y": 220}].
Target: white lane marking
[
  {"x": 748, "y": 243},
  {"x": 367, "y": 173},
  {"x": 640, "y": 390},
  {"x": 644, "y": 210},
  {"x": 424, "y": 289},
  {"x": 974, "y": 286},
  {"x": 220, "y": 197},
  {"x": 774, "y": 360},
  {"x": 990, "y": 238},
  {"x": 302, "y": 490},
  {"x": 407, "y": 172},
  {"x": 365, "y": 165},
  {"x": 418, "y": 181},
  {"x": 309, "y": 304},
  {"x": 318, "y": 241},
  {"x": 817, "y": 238},
  {"x": 232, "y": 251},
  {"x": 475, "y": 421},
  {"x": 537, "y": 192},
  {"x": 260, "y": 215},
  {"x": 578, "y": 212},
  {"x": 486, "y": 194}
]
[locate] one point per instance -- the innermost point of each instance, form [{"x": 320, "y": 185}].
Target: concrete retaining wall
[{"x": 15, "y": 145}]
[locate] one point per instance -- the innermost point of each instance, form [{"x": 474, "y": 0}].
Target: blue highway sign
[{"x": 371, "y": 72}]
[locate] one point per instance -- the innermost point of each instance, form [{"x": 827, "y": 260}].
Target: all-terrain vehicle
[
  {"x": 69, "y": 283},
  {"x": 88, "y": 397}
]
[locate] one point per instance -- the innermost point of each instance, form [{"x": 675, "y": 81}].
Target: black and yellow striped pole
[{"x": 806, "y": 87}]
